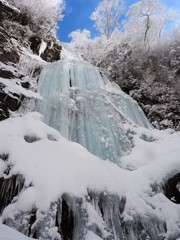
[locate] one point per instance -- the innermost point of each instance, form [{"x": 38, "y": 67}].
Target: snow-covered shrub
[
  {"x": 41, "y": 15},
  {"x": 107, "y": 15},
  {"x": 17, "y": 30}
]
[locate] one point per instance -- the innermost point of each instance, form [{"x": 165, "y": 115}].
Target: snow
[
  {"x": 13, "y": 87},
  {"x": 42, "y": 48},
  {"x": 23, "y": 72},
  {"x": 9, "y": 5},
  {"x": 6, "y": 233},
  {"x": 46, "y": 163},
  {"x": 79, "y": 102},
  {"x": 53, "y": 166},
  {"x": 91, "y": 236},
  {"x": 161, "y": 146}
]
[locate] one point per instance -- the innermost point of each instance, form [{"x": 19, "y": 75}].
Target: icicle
[
  {"x": 42, "y": 47},
  {"x": 86, "y": 108}
]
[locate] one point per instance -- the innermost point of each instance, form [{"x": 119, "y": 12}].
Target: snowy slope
[
  {"x": 6, "y": 233},
  {"x": 62, "y": 182},
  {"x": 53, "y": 166}
]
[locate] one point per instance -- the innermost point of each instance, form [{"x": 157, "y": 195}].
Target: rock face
[
  {"x": 8, "y": 51},
  {"x": 52, "y": 51},
  {"x": 8, "y": 11},
  {"x": 52, "y": 54},
  {"x": 19, "y": 71},
  {"x": 172, "y": 189},
  {"x": 8, "y": 56}
]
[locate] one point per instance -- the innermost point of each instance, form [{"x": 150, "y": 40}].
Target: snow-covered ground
[
  {"x": 7, "y": 233},
  {"x": 53, "y": 165}
]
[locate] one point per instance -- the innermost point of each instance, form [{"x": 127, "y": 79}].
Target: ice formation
[
  {"x": 86, "y": 108},
  {"x": 53, "y": 186},
  {"x": 42, "y": 47}
]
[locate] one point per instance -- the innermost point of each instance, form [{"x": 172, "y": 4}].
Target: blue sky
[{"x": 77, "y": 15}]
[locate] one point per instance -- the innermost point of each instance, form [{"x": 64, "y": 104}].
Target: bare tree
[
  {"x": 150, "y": 17},
  {"x": 42, "y": 14},
  {"x": 107, "y": 15}
]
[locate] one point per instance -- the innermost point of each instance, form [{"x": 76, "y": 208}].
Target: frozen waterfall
[
  {"x": 54, "y": 189},
  {"x": 85, "y": 107}
]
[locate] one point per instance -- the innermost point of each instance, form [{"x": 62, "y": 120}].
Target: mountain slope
[{"x": 113, "y": 186}]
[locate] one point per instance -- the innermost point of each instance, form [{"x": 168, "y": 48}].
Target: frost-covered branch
[
  {"x": 106, "y": 16},
  {"x": 42, "y": 15},
  {"x": 147, "y": 20}
]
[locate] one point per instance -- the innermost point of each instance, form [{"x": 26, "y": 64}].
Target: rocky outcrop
[
  {"x": 172, "y": 189},
  {"x": 19, "y": 71},
  {"x": 8, "y": 11},
  {"x": 8, "y": 56},
  {"x": 8, "y": 50},
  {"x": 8, "y": 103},
  {"x": 52, "y": 52}
]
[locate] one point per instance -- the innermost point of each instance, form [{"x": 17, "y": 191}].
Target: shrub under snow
[{"x": 41, "y": 15}]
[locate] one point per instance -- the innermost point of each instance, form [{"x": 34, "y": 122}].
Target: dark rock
[
  {"x": 11, "y": 13},
  {"x": 32, "y": 220},
  {"x": 3, "y": 37},
  {"x": 9, "y": 188},
  {"x": 4, "y": 157},
  {"x": 31, "y": 138},
  {"x": 8, "y": 103},
  {"x": 10, "y": 57},
  {"x": 8, "y": 52},
  {"x": 67, "y": 221},
  {"x": 35, "y": 42},
  {"x": 24, "y": 19},
  {"x": 7, "y": 12},
  {"x": 6, "y": 74},
  {"x": 52, "y": 54},
  {"x": 172, "y": 189},
  {"x": 51, "y": 137},
  {"x": 25, "y": 85},
  {"x": 178, "y": 71}
]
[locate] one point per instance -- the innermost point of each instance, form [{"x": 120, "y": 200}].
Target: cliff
[{"x": 20, "y": 63}]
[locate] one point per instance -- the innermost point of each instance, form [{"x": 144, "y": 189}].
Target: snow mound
[
  {"x": 53, "y": 166},
  {"x": 6, "y": 233}
]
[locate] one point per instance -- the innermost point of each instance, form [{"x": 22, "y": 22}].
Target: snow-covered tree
[
  {"x": 146, "y": 21},
  {"x": 80, "y": 38},
  {"x": 94, "y": 49},
  {"x": 176, "y": 34},
  {"x": 82, "y": 42},
  {"x": 107, "y": 15},
  {"x": 42, "y": 14},
  {"x": 142, "y": 59}
]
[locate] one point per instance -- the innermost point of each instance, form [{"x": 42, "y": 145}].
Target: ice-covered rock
[
  {"x": 86, "y": 108},
  {"x": 57, "y": 189}
]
